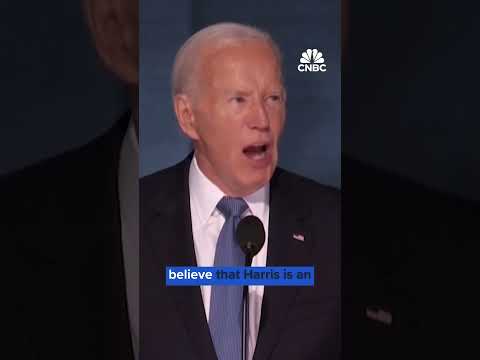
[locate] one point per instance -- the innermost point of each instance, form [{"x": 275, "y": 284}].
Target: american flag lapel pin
[
  {"x": 299, "y": 237},
  {"x": 379, "y": 315}
]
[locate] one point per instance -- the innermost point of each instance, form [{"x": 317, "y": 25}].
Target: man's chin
[{"x": 254, "y": 184}]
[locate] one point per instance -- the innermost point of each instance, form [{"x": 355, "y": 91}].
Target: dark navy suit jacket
[{"x": 296, "y": 322}]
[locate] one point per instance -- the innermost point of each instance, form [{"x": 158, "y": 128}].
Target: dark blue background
[
  {"x": 55, "y": 94},
  {"x": 410, "y": 89}
]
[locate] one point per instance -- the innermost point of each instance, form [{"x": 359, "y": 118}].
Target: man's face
[{"x": 239, "y": 110}]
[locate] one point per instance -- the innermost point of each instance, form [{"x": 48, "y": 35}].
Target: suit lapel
[
  {"x": 287, "y": 217},
  {"x": 174, "y": 220}
]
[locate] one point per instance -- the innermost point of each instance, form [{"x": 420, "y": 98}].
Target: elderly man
[{"x": 230, "y": 100}]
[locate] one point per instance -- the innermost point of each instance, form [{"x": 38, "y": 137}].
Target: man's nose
[{"x": 260, "y": 119}]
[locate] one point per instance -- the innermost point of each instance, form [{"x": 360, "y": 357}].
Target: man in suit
[
  {"x": 72, "y": 223},
  {"x": 230, "y": 100}
]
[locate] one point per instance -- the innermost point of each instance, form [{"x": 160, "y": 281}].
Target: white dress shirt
[
  {"x": 128, "y": 195},
  {"x": 207, "y": 221}
]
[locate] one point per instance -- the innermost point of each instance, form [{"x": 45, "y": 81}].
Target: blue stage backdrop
[{"x": 311, "y": 144}]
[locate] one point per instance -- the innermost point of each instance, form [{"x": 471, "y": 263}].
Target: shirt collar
[
  {"x": 132, "y": 135},
  {"x": 206, "y": 195}
]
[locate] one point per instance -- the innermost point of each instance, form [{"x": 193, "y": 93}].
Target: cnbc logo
[{"x": 312, "y": 60}]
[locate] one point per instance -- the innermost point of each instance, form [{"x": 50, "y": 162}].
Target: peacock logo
[{"x": 312, "y": 60}]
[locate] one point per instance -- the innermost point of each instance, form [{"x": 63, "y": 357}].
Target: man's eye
[
  {"x": 274, "y": 98},
  {"x": 238, "y": 99}
]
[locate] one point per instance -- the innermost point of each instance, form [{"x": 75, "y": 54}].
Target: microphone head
[{"x": 250, "y": 235}]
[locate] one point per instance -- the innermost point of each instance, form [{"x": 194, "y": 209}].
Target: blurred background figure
[
  {"x": 70, "y": 196},
  {"x": 410, "y": 174}
]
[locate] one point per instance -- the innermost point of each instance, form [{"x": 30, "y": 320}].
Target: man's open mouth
[{"x": 256, "y": 152}]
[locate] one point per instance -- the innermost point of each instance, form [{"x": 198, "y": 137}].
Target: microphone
[{"x": 250, "y": 235}]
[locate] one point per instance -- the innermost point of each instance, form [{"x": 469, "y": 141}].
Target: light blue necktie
[{"x": 225, "y": 320}]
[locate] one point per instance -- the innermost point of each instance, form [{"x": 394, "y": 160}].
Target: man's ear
[
  {"x": 185, "y": 116},
  {"x": 114, "y": 27}
]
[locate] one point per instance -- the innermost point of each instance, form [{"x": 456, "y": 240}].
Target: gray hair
[{"x": 216, "y": 36}]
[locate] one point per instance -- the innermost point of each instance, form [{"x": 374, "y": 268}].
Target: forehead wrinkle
[{"x": 242, "y": 75}]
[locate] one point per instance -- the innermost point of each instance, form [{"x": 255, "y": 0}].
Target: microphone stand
[{"x": 246, "y": 312}]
